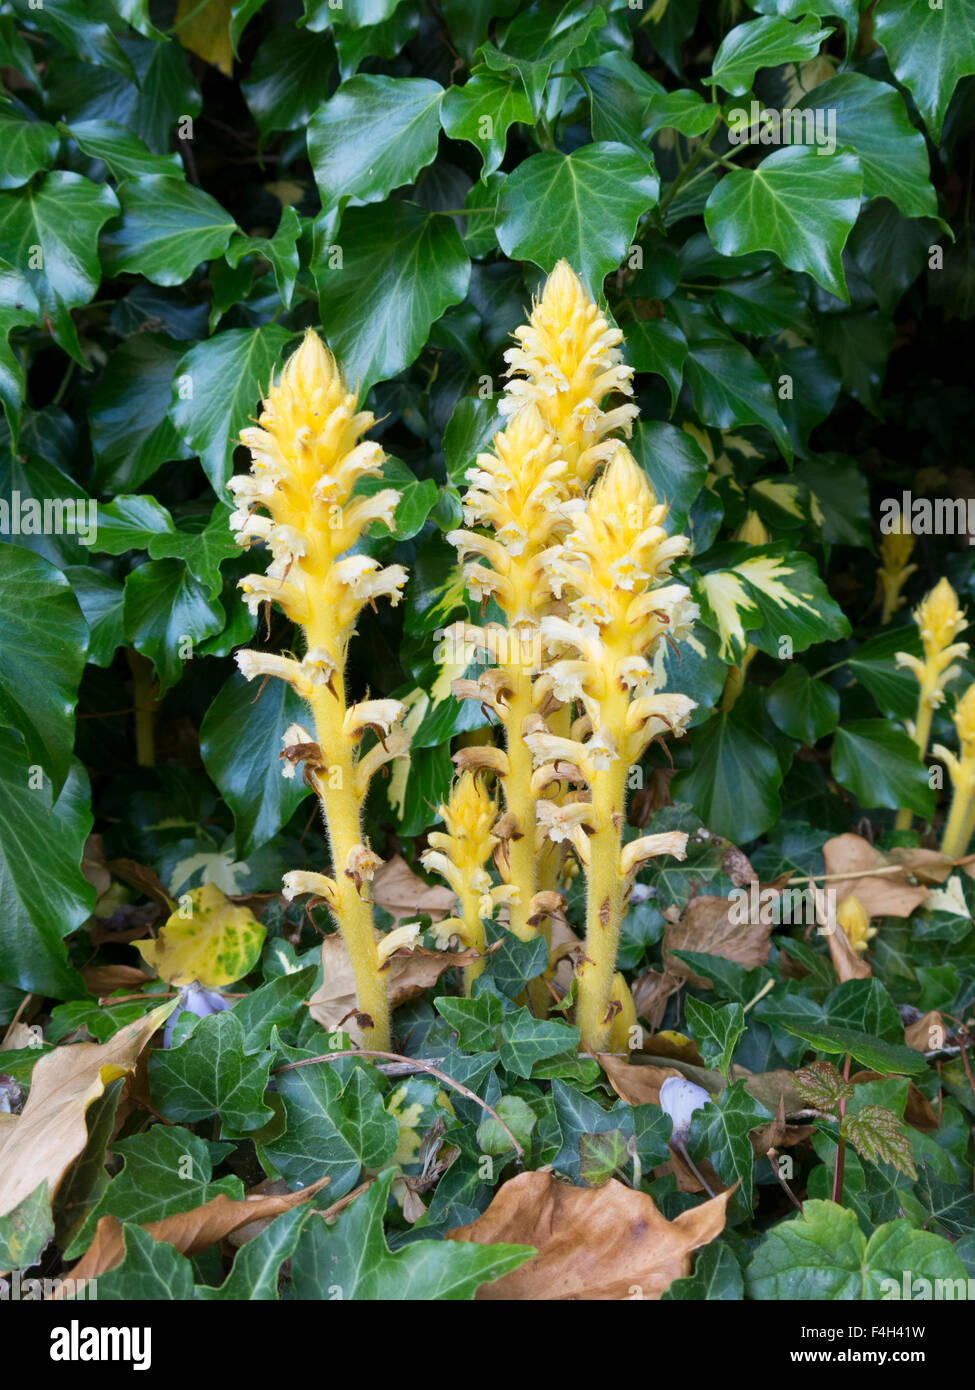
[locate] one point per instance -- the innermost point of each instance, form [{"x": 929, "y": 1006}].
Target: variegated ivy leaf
[
  {"x": 822, "y": 1086},
  {"x": 764, "y": 595},
  {"x": 206, "y": 939},
  {"x": 878, "y": 1134}
]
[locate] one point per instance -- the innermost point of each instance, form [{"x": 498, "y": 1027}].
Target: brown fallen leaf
[
  {"x": 143, "y": 879},
  {"x": 847, "y": 964},
  {"x": 403, "y": 894},
  {"x": 927, "y": 1033},
  {"x": 93, "y": 865},
  {"x": 408, "y": 974},
  {"x": 190, "y": 1231},
  {"x": 928, "y": 866},
  {"x": 19, "y": 1035},
  {"x": 675, "y": 1045},
  {"x": 738, "y": 867},
  {"x": 103, "y": 979},
  {"x": 51, "y": 1131},
  {"x": 706, "y": 926},
  {"x": 598, "y": 1243},
  {"x": 890, "y": 894},
  {"x": 650, "y": 991},
  {"x": 635, "y": 1083}
]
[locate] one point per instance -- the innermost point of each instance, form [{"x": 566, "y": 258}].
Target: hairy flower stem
[
  {"x": 521, "y": 805},
  {"x": 605, "y": 893},
  {"x": 343, "y": 822}
]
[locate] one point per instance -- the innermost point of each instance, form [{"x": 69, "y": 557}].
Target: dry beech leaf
[
  {"x": 103, "y": 979},
  {"x": 846, "y": 962},
  {"x": 650, "y": 991},
  {"x": 190, "y": 1231},
  {"x": 674, "y": 1045},
  {"x": 919, "y": 1033},
  {"x": 408, "y": 973},
  {"x": 706, "y": 926},
  {"x": 51, "y": 1132},
  {"x": 634, "y": 1083},
  {"x": 738, "y": 867},
  {"x": 882, "y": 895},
  {"x": 404, "y": 895},
  {"x": 593, "y": 1243},
  {"x": 930, "y": 866}
]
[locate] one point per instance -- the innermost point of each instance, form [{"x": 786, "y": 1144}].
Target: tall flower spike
[
  {"x": 458, "y": 854},
  {"x": 308, "y": 455},
  {"x": 567, "y": 362},
  {"x": 940, "y": 618},
  {"x": 896, "y": 548},
  {"x": 612, "y": 571},
  {"x": 961, "y": 819}
]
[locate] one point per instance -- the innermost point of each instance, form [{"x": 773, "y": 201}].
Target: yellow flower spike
[
  {"x": 307, "y": 456},
  {"x": 459, "y": 854},
  {"x": 961, "y": 819},
  {"x": 852, "y": 917},
  {"x": 896, "y": 548},
  {"x": 939, "y": 618},
  {"x": 567, "y": 362},
  {"x": 612, "y": 574}
]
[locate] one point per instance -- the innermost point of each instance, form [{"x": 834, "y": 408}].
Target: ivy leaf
[
  {"x": 870, "y": 1052},
  {"x": 217, "y": 387},
  {"x": 206, "y": 939},
  {"x": 475, "y": 1021},
  {"x": 28, "y": 145},
  {"x": 18, "y": 308},
  {"x": 520, "y": 1119},
  {"x": 45, "y": 894},
  {"x": 150, "y": 1269},
  {"x": 165, "y": 613},
  {"x": 486, "y": 102},
  {"x": 166, "y": 1170},
  {"x": 280, "y": 252},
  {"x": 685, "y": 111},
  {"x": 874, "y": 665},
  {"x": 202, "y": 543},
  {"x": 375, "y": 134},
  {"x": 880, "y": 765},
  {"x": 124, "y": 154},
  {"x": 720, "y": 1132},
  {"x": 43, "y": 643},
  {"x": 805, "y": 709},
  {"x": 351, "y": 1260},
  {"x": 131, "y": 434},
  {"x": 469, "y": 431},
  {"x": 577, "y": 1115},
  {"x": 763, "y": 594},
  {"x": 49, "y": 231},
  {"x": 824, "y": 1255},
  {"x": 763, "y": 43},
  {"x": 334, "y": 1125},
  {"x": 734, "y": 778},
  {"x": 717, "y": 1031},
  {"x": 592, "y": 199},
  {"x": 871, "y": 118},
  {"x": 600, "y": 1155},
  {"x": 257, "y": 1265},
  {"x": 717, "y": 1274},
  {"x": 27, "y": 1230},
  {"x": 289, "y": 77},
  {"x": 275, "y": 1005},
  {"x": 822, "y": 1086},
  {"x": 656, "y": 345},
  {"x": 675, "y": 465},
  {"x": 877, "y": 1133},
  {"x": 526, "y": 1041},
  {"x": 799, "y": 203},
  {"x": 930, "y": 51},
  {"x": 100, "y": 600},
  {"x": 729, "y": 388},
  {"x": 69, "y": 22},
  {"x": 240, "y": 738},
  {"x": 167, "y": 229},
  {"x": 401, "y": 268},
  {"x": 209, "y": 1073}
]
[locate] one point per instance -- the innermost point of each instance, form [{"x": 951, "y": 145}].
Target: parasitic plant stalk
[
  {"x": 458, "y": 855},
  {"x": 565, "y": 364},
  {"x": 940, "y": 619},
  {"x": 611, "y": 572},
  {"x": 299, "y": 500},
  {"x": 896, "y": 548},
  {"x": 961, "y": 818}
]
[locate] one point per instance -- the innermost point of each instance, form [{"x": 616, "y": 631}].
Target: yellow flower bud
[{"x": 852, "y": 917}]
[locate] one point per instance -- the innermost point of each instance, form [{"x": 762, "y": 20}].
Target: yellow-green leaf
[{"x": 206, "y": 939}]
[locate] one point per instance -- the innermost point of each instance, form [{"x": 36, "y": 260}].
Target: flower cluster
[
  {"x": 300, "y": 500},
  {"x": 939, "y": 618}
]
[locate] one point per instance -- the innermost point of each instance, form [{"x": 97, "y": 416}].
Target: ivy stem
[
  {"x": 841, "y": 1143},
  {"x": 146, "y": 704}
]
